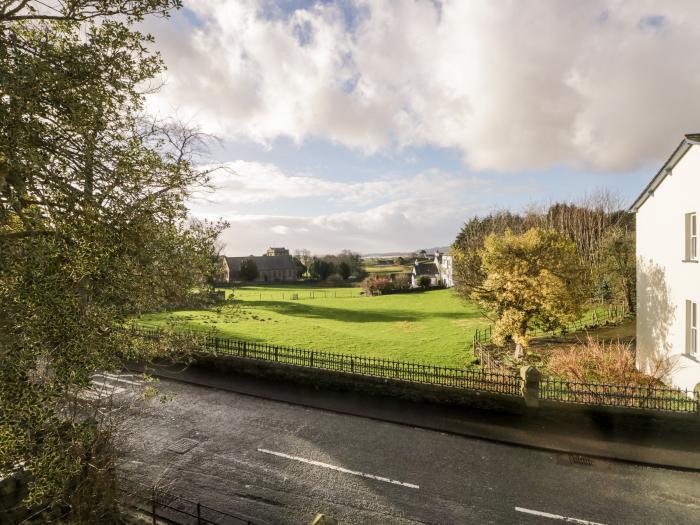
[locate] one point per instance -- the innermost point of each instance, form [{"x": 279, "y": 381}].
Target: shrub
[
  {"x": 614, "y": 363},
  {"x": 376, "y": 284},
  {"x": 248, "y": 270},
  {"x": 335, "y": 280},
  {"x": 424, "y": 281},
  {"x": 402, "y": 281}
]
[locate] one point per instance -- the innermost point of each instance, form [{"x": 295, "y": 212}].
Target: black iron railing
[
  {"x": 162, "y": 506},
  {"x": 501, "y": 383},
  {"x": 644, "y": 397},
  {"x": 630, "y": 396}
]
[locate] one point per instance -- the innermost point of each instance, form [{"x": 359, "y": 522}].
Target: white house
[
  {"x": 668, "y": 271},
  {"x": 439, "y": 270}
]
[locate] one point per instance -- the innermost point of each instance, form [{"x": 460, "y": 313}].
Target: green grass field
[
  {"x": 433, "y": 326},
  {"x": 386, "y": 269}
]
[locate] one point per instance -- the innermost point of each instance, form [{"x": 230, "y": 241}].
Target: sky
[{"x": 382, "y": 126}]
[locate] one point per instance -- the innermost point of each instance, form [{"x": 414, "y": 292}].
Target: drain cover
[
  {"x": 575, "y": 459},
  {"x": 183, "y": 445}
]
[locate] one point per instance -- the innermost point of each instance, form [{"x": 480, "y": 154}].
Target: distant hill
[{"x": 387, "y": 255}]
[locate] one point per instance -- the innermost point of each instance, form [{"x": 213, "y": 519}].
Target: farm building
[
  {"x": 668, "y": 269},
  {"x": 275, "y": 265}
]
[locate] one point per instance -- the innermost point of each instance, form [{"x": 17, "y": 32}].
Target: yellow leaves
[{"x": 533, "y": 279}]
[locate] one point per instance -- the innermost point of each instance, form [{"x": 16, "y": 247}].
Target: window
[
  {"x": 691, "y": 328},
  {"x": 691, "y": 237}
]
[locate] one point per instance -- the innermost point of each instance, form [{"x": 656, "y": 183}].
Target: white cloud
[
  {"x": 394, "y": 214},
  {"x": 604, "y": 84},
  {"x": 245, "y": 182},
  {"x": 395, "y": 226}
]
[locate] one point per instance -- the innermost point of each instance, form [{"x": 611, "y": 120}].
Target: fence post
[
  {"x": 199, "y": 514},
  {"x": 312, "y": 358},
  {"x": 530, "y": 379}
]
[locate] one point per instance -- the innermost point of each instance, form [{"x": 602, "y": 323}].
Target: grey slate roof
[
  {"x": 425, "y": 268},
  {"x": 263, "y": 262}
]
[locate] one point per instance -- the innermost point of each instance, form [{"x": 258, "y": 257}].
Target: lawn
[
  {"x": 432, "y": 327},
  {"x": 386, "y": 268}
]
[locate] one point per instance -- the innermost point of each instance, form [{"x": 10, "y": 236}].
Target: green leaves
[{"x": 93, "y": 229}]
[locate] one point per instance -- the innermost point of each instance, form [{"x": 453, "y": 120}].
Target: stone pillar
[{"x": 530, "y": 387}]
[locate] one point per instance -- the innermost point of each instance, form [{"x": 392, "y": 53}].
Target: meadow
[{"x": 433, "y": 326}]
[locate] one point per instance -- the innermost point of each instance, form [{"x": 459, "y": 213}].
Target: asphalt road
[{"x": 282, "y": 464}]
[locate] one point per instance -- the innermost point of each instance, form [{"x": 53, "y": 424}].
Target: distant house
[
  {"x": 668, "y": 266},
  {"x": 444, "y": 266},
  {"x": 439, "y": 270},
  {"x": 275, "y": 265}
]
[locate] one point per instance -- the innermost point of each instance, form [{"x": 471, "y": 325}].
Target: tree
[
  {"x": 321, "y": 268},
  {"x": 93, "y": 230},
  {"x": 344, "y": 270},
  {"x": 618, "y": 265},
  {"x": 532, "y": 280},
  {"x": 248, "y": 270},
  {"x": 303, "y": 259}
]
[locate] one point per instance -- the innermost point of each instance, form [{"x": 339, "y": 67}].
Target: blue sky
[{"x": 383, "y": 126}]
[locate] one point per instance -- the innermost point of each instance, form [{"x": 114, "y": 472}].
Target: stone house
[{"x": 276, "y": 265}]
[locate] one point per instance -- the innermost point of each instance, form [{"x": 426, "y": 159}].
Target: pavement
[{"x": 281, "y": 463}]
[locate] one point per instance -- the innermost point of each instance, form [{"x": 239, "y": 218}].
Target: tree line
[{"x": 539, "y": 268}]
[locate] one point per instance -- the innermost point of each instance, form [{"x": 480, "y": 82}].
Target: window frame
[{"x": 691, "y": 237}]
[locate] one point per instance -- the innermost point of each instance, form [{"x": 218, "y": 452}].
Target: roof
[
  {"x": 690, "y": 140},
  {"x": 425, "y": 268},
  {"x": 263, "y": 262}
]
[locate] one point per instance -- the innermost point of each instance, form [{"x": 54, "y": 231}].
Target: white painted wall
[{"x": 664, "y": 281}]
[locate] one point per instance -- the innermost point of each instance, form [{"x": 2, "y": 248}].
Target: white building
[
  {"x": 439, "y": 270},
  {"x": 668, "y": 272}
]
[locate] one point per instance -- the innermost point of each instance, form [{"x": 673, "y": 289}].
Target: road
[{"x": 283, "y": 463}]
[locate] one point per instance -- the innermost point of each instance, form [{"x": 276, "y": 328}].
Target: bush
[
  {"x": 375, "y": 284},
  {"x": 402, "y": 281},
  {"x": 424, "y": 282},
  {"x": 335, "y": 280},
  {"x": 594, "y": 361}
]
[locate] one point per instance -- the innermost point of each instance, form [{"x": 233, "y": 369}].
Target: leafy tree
[
  {"x": 300, "y": 267},
  {"x": 618, "y": 265},
  {"x": 93, "y": 229},
  {"x": 344, "y": 270},
  {"x": 531, "y": 280},
  {"x": 424, "y": 282},
  {"x": 321, "y": 268},
  {"x": 248, "y": 270}
]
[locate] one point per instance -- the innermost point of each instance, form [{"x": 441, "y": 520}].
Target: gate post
[{"x": 530, "y": 379}]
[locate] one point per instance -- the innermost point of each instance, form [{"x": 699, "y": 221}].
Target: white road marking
[
  {"x": 557, "y": 517},
  {"x": 339, "y": 469}
]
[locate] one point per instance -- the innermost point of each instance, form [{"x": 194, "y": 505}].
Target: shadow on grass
[{"x": 294, "y": 309}]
